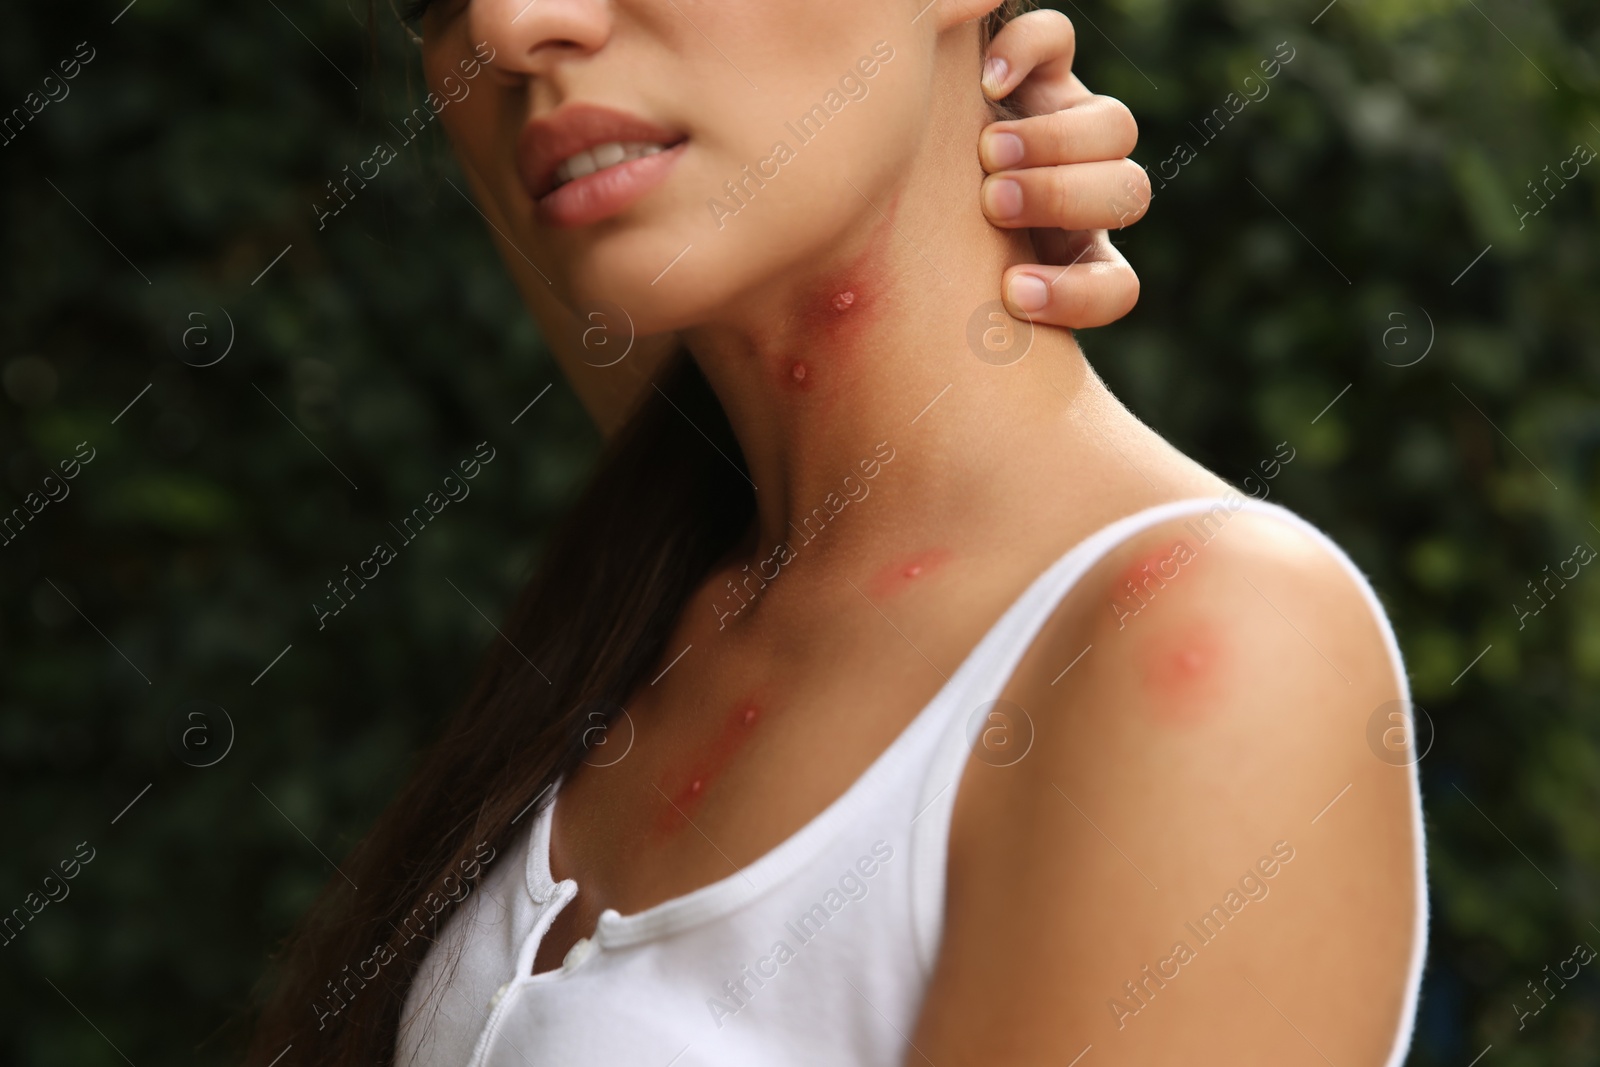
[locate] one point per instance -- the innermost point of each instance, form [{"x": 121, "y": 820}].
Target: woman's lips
[
  {"x": 607, "y": 192},
  {"x": 567, "y": 141}
]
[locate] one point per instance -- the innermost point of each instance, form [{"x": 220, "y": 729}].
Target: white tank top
[{"x": 819, "y": 952}]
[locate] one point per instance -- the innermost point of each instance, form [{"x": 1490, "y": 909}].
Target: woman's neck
[{"x": 893, "y": 339}]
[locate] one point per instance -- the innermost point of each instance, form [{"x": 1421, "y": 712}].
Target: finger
[
  {"x": 1100, "y": 128},
  {"x": 1099, "y": 289},
  {"x": 1081, "y": 196},
  {"x": 1036, "y": 47}
]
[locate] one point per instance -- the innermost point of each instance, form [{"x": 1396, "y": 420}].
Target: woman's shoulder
[
  {"x": 1199, "y": 604},
  {"x": 1209, "y": 742}
]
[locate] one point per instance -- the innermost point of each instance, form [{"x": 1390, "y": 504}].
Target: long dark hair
[{"x": 663, "y": 508}]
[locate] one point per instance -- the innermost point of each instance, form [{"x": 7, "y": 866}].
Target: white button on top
[
  {"x": 498, "y": 995},
  {"x": 581, "y": 950}
]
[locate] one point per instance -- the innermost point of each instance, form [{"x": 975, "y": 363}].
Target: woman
[{"x": 893, "y": 694}]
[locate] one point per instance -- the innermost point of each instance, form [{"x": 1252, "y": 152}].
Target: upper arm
[{"x": 1187, "y": 763}]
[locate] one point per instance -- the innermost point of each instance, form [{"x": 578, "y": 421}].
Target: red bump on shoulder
[
  {"x": 1157, "y": 566},
  {"x": 1141, "y": 583},
  {"x": 1181, "y": 669}
]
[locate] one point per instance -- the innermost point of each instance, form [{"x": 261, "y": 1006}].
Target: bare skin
[
  {"x": 1076, "y": 192},
  {"x": 1197, "y": 736}
]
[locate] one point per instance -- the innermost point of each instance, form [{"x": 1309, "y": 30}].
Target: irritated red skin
[
  {"x": 1182, "y": 668},
  {"x": 691, "y": 788},
  {"x": 1163, "y": 564},
  {"x": 899, "y": 575},
  {"x": 836, "y": 315},
  {"x": 829, "y": 323}
]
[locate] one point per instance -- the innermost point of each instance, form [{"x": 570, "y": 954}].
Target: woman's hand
[{"x": 1063, "y": 173}]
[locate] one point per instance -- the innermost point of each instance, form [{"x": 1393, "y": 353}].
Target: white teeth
[
  {"x": 581, "y": 164},
  {"x": 602, "y": 156}
]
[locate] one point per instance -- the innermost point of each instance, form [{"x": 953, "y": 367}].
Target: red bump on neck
[
  {"x": 736, "y": 731},
  {"x": 896, "y": 576},
  {"x": 836, "y": 311}
]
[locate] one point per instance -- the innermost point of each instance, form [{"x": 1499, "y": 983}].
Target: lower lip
[{"x": 607, "y": 192}]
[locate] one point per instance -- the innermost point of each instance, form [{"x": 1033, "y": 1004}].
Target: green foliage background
[{"x": 1317, "y": 243}]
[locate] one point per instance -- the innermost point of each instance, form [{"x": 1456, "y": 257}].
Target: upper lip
[{"x": 546, "y": 142}]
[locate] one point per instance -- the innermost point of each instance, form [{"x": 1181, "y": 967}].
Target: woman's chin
[
  {"x": 658, "y": 284},
  {"x": 644, "y": 309}
]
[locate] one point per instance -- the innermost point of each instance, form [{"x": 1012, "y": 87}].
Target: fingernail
[
  {"x": 1000, "y": 150},
  {"x": 1028, "y": 292},
  {"x": 995, "y": 70},
  {"x": 1002, "y": 198}
]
